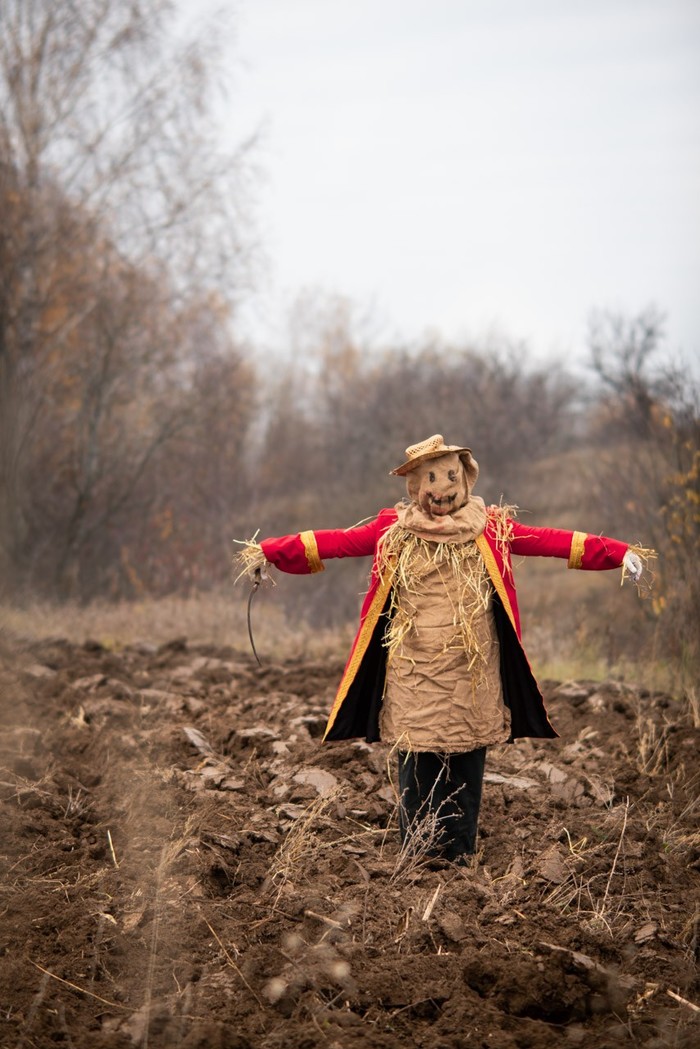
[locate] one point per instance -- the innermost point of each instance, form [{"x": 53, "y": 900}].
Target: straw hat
[{"x": 433, "y": 448}]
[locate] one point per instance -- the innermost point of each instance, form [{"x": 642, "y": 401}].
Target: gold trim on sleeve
[
  {"x": 578, "y": 542},
  {"x": 313, "y": 559}
]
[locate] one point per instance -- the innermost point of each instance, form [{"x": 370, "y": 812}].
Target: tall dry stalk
[
  {"x": 692, "y": 698},
  {"x": 601, "y": 910},
  {"x": 302, "y": 841},
  {"x": 582, "y": 891},
  {"x": 652, "y": 746},
  {"x": 423, "y": 836}
]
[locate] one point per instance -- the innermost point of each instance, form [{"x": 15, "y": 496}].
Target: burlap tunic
[{"x": 443, "y": 686}]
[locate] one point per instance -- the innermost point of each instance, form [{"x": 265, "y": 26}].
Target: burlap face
[{"x": 439, "y": 486}]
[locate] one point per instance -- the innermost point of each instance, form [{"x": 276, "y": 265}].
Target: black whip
[{"x": 256, "y": 584}]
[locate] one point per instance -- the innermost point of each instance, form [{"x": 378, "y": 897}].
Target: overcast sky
[{"x": 469, "y": 165}]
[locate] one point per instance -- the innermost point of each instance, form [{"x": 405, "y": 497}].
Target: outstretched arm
[
  {"x": 305, "y": 552},
  {"x": 581, "y": 549}
]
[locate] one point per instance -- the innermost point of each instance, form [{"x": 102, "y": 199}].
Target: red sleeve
[
  {"x": 582, "y": 550},
  {"x": 304, "y": 553}
]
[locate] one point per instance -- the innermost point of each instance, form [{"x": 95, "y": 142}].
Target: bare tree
[
  {"x": 647, "y": 432},
  {"x": 623, "y": 354},
  {"x": 119, "y": 221}
]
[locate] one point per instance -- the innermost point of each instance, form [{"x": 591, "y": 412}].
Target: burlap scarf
[{"x": 462, "y": 526}]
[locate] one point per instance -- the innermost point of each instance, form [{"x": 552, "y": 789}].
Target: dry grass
[
  {"x": 217, "y": 618},
  {"x": 652, "y": 745},
  {"x": 302, "y": 844},
  {"x": 422, "y": 843},
  {"x": 678, "y": 829},
  {"x": 692, "y": 701},
  {"x": 597, "y": 889},
  {"x": 604, "y": 885}
]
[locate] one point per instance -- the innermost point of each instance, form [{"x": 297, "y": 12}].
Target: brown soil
[{"x": 185, "y": 865}]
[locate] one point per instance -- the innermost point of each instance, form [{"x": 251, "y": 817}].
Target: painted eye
[
  {"x": 452, "y": 476},
  {"x": 431, "y": 477}
]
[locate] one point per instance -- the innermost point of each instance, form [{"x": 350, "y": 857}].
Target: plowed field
[{"x": 184, "y": 864}]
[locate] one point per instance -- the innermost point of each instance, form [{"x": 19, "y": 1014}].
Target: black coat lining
[{"x": 359, "y": 713}]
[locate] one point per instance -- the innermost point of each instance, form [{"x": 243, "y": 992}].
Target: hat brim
[{"x": 411, "y": 464}]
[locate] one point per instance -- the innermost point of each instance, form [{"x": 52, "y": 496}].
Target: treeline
[
  {"x": 138, "y": 438},
  {"x": 136, "y": 480},
  {"x": 122, "y": 257}
]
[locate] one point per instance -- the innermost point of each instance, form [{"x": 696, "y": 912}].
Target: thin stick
[
  {"x": 619, "y": 846},
  {"x": 429, "y": 909},
  {"x": 111, "y": 849},
  {"x": 327, "y": 921},
  {"x": 683, "y": 1001},
  {"x": 81, "y": 990}
]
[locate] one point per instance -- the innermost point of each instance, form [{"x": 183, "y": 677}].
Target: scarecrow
[{"x": 437, "y": 669}]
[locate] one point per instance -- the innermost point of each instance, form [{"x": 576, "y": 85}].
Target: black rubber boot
[{"x": 440, "y": 801}]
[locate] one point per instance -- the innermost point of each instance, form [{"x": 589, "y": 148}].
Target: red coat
[{"x": 355, "y": 711}]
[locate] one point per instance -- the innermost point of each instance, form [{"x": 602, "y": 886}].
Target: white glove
[{"x": 632, "y": 564}]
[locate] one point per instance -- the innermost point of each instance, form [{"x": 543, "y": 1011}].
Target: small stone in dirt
[
  {"x": 258, "y": 734},
  {"x": 571, "y": 791},
  {"x": 143, "y": 648},
  {"x": 291, "y": 811},
  {"x": 202, "y": 663},
  {"x": 553, "y": 774},
  {"x": 573, "y": 690},
  {"x": 452, "y": 926},
  {"x": 552, "y": 868},
  {"x": 563, "y": 786},
  {"x": 38, "y": 670},
  {"x": 519, "y": 782},
  {"x": 89, "y": 683},
  {"x": 319, "y": 779},
  {"x": 213, "y": 775},
  {"x": 313, "y": 723},
  {"x": 195, "y": 737},
  {"x": 647, "y": 932}
]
